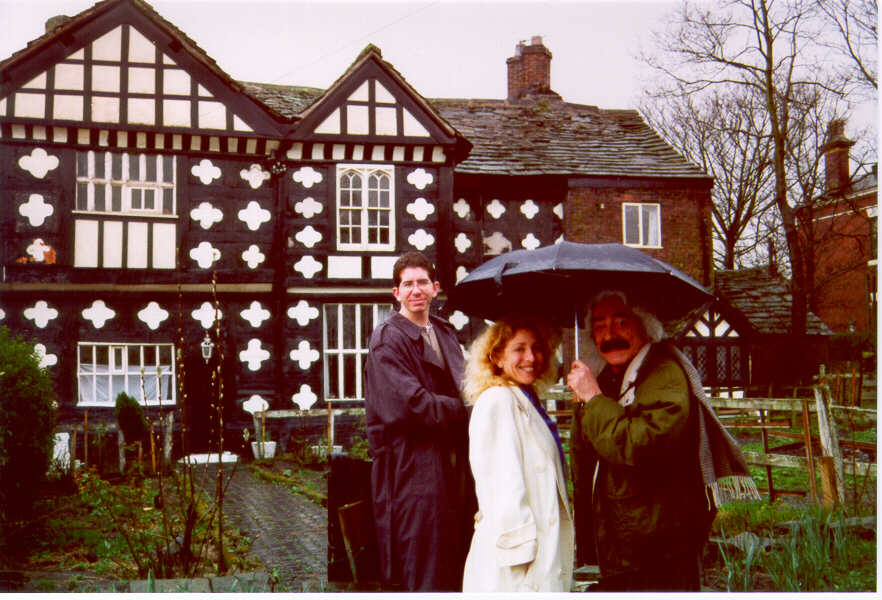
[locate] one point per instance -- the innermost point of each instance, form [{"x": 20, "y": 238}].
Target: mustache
[{"x": 614, "y": 344}]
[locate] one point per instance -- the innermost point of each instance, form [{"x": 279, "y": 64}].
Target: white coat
[{"x": 523, "y": 539}]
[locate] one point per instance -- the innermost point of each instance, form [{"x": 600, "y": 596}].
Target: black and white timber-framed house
[{"x": 145, "y": 193}]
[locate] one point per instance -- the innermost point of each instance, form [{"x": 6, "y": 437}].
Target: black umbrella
[{"x": 557, "y": 281}]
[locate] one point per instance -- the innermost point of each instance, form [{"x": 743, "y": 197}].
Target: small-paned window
[
  {"x": 347, "y": 335},
  {"x": 642, "y": 225},
  {"x": 365, "y": 208},
  {"x": 144, "y": 371},
  {"x": 109, "y": 182}
]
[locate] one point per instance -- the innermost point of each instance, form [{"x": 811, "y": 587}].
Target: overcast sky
[{"x": 444, "y": 48}]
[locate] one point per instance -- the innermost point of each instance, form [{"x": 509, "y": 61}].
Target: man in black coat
[{"x": 417, "y": 427}]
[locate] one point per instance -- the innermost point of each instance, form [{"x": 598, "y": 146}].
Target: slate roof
[{"x": 764, "y": 300}]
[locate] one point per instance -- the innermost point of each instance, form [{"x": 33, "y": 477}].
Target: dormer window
[{"x": 365, "y": 208}]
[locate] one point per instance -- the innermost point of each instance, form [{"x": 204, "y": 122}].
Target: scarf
[
  {"x": 552, "y": 426},
  {"x": 723, "y": 467}
]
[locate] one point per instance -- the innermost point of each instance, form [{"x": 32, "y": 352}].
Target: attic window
[
  {"x": 641, "y": 225},
  {"x": 365, "y": 208}
]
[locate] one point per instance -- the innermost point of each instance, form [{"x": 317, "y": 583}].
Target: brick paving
[{"x": 288, "y": 532}]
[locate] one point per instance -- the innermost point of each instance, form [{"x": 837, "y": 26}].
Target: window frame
[
  {"x": 364, "y": 227},
  {"x": 339, "y": 350},
  {"x": 90, "y": 182},
  {"x": 119, "y": 352},
  {"x": 640, "y": 224}
]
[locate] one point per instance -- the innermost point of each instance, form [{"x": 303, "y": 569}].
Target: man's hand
[{"x": 582, "y": 381}]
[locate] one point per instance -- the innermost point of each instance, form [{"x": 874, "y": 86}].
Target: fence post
[
  {"x": 809, "y": 452},
  {"x": 829, "y": 437}
]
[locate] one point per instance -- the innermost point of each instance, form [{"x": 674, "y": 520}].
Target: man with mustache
[{"x": 645, "y": 474}]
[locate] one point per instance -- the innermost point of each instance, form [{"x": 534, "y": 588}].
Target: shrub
[
  {"x": 27, "y": 424},
  {"x": 130, "y": 418}
]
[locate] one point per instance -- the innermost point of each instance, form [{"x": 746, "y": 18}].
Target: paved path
[{"x": 288, "y": 532}]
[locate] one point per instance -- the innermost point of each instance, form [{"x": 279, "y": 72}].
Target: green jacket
[{"x": 647, "y": 501}]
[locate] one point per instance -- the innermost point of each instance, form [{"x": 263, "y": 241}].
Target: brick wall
[{"x": 594, "y": 215}]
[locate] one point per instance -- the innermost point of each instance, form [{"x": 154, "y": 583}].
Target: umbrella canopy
[{"x": 558, "y": 280}]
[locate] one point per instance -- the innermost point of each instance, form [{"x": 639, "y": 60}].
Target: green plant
[
  {"x": 27, "y": 424},
  {"x": 130, "y": 418},
  {"x": 359, "y": 448}
]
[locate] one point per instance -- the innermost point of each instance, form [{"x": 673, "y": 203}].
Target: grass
[{"x": 300, "y": 480}]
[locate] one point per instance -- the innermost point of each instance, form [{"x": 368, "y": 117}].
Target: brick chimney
[
  {"x": 836, "y": 156},
  {"x": 529, "y": 70}
]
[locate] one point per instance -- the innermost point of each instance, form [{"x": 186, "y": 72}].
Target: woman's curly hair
[{"x": 481, "y": 372}]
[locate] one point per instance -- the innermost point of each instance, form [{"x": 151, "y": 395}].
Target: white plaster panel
[
  {"x": 37, "y": 83},
  {"x": 318, "y": 151},
  {"x": 530, "y": 242},
  {"x": 86, "y": 243},
  {"x": 459, "y": 320},
  {"x": 113, "y": 243},
  {"x": 38, "y": 249},
  {"x": 212, "y": 115},
  {"x": 240, "y": 125},
  {"x": 206, "y": 314},
  {"x": 361, "y": 94},
  {"x": 206, "y": 214},
  {"x": 255, "y": 175},
  {"x": 418, "y": 153},
  {"x": 205, "y": 254},
  {"x": 38, "y": 132},
  {"x": 398, "y": 153},
  {"x": 304, "y": 355},
  {"x": 36, "y": 209},
  {"x": 381, "y": 266},
  {"x": 381, "y": 94},
  {"x": 378, "y": 153},
  {"x": 255, "y": 314},
  {"x": 40, "y": 313},
  {"x": 496, "y": 208},
  {"x": 357, "y": 120},
  {"x": 105, "y": 78},
  {"x": 308, "y": 236},
  {"x": 420, "y": 178},
  {"x": 38, "y": 163},
  {"x": 420, "y": 208},
  {"x": 461, "y": 208},
  {"x": 253, "y": 355},
  {"x": 304, "y": 398},
  {"x": 203, "y": 92},
  {"x": 255, "y": 404},
  {"x": 386, "y": 121},
  {"x": 558, "y": 210},
  {"x": 461, "y": 273},
  {"x": 308, "y": 266},
  {"x": 462, "y": 242},
  {"x": 69, "y": 77},
  {"x": 140, "y": 48},
  {"x": 421, "y": 239},
  {"x": 142, "y": 80},
  {"x": 137, "y": 246},
  {"x": 107, "y": 47},
  {"x": 338, "y": 151},
  {"x": 529, "y": 209},
  {"x": 46, "y": 359},
  {"x": 497, "y": 243},
  {"x": 253, "y": 257},
  {"x": 164, "y": 239},
  {"x": 307, "y": 177},
  {"x": 254, "y": 215},
  {"x": 153, "y": 315},
  {"x": 77, "y": 55},
  {"x": 105, "y": 110},
  {"x": 303, "y": 313},
  {"x": 412, "y": 127},
  {"x": 142, "y": 111},
  {"x": 98, "y": 313},
  {"x": 438, "y": 154},
  {"x": 176, "y": 113},
  {"x": 206, "y": 171},
  {"x": 68, "y": 108},
  {"x": 30, "y": 106},
  {"x": 344, "y": 267},
  {"x": 308, "y": 207},
  {"x": 331, "y": 124},
  {"x": 175, "y": 82},
  {"x": 2, "y": 107},
  {"x": 358, "y": 152}
]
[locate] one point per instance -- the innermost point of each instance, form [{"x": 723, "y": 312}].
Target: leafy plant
[
  {"x": 130, "y": 418},
  {"x": 27, "y": 424}
]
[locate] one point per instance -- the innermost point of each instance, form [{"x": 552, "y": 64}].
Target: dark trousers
[{"x": 676, "y": 575}]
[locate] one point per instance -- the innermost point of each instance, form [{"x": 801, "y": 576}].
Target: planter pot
[
  {"x": 323, "y": 450},
  {"x": 269, "y": 449}
]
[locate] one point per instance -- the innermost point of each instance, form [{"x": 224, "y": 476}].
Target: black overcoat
[{"x": 417, "y": 427}]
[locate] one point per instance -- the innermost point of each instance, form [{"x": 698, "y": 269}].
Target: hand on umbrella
[{"x": 582, "y": 381}]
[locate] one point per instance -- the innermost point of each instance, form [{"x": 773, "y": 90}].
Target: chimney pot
[
  {"x": 536, "y": 40},
  {"x": 836, "y": 156}
]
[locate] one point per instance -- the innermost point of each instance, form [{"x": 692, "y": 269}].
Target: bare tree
[
  {"x": 725, "y": 133},
  {"x": 769, "y": 47},
  {"x": 857, "y": 39}
]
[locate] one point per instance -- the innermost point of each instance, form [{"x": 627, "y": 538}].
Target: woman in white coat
[{"x": 523, "y": 538}]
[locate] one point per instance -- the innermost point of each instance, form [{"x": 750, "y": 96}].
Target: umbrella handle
[{"x": 576, "y": 330}]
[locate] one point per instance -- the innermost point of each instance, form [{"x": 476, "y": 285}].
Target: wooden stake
[
  {"x": 152, "y": 449},
  {"x": 86, "y": 438}
]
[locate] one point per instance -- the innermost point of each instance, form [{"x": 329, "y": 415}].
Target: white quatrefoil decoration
[
  {"x": 98, "y": 313},
  {"x": 529, "y": 209},
  {"x": 304, "y": 355},
  {"x": 420, "y": 209},
  {"x": 46, "y": 359},
  {"x": 254, "y": 175},
  {"x": 530, "y": 242},
  {"x": 421, "y": 239},
  {"x": 40, "y": 313},
  {"x": 558, "y": 210},
  {"x": 255, "y": 314},
  {"x": 420, "y": 178},
  {"x": 497, "y": 243},
  {"x": 153, "y": 315},
  {"x": 254, "y": 216},
  {"x": 308, "y": 207},
  {"x": 308, "y": 236},
  {"x": 2, "y": 314},
  {"x": 253, "y": 355},
  {"x": 461, "y": 273},
  {"x": 308, "y": 266},
  {"x": 36, "y": 210},
  {"x": 303, "y": 313},
  {"x": 206, "y": 214},
  {"x": 38, "y": 250},
  {"x": 495, "y": 208},
  {"x": 206, "y": 314},
  {"x": 205, "y": 254},
  {"x": 459, "y": 320},
  {"x": 461, "y": 208},
  {"x": 462, "y": 242},
  {"x": 206, "y": 171},
  {"x": 253, "y": 256},
  {"x": 255, "y": 404},
  {"x": 307, "y": 177},
  {"x": 38, "y": 163},
  {"x": 304, "y": 398}
]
